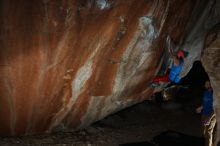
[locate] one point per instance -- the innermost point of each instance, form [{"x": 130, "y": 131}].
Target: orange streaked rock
[{"x": 73, "y": 62}]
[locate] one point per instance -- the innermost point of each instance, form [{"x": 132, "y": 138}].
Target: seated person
[{"x": 208, "y": 115}]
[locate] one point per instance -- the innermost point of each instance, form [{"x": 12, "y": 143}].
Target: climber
[
  {"x": 208, "y": 115},
  {"x": 172, "y": 72}
]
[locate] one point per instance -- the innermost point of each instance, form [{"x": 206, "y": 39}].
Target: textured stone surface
[
  {"x": 211, "y": 62},
  {"x": 72, "y": 62}
]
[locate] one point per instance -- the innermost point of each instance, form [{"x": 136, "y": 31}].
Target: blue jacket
[
  {"x": 207, "y": 102},
  {"x": 175, "y": 71}
]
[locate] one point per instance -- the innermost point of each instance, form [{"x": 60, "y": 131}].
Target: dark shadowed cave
[
  {"x": 80, "y": 72},
  {"x": 196, "y": 76}
]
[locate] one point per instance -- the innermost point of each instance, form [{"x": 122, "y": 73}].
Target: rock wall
[
  {"x": 211, "y": 62},
  {"x": 65, "y": 64}
]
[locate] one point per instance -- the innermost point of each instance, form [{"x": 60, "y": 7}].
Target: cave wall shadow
[{"x": 196, "y": 76}]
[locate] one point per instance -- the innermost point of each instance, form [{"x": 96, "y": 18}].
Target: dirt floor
[{"x": 138, "y": 123}]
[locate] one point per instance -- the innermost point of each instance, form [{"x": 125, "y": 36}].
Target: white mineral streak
[
  {"x": 91, "y": 114},
  {"x": 136, "y": 55},
  {"x": 82, "y": 75},
  {"x": 164, "y": 18},
  {"x": 135, "y": 59},
  {"x": 102, "y": 4}
]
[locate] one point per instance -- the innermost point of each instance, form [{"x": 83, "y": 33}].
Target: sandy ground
[{"x": 138, "y": 123}]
